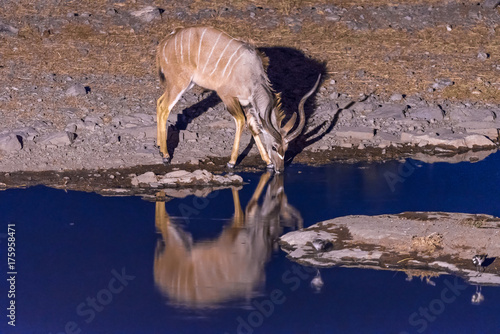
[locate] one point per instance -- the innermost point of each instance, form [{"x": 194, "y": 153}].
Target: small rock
[
  {"x": 427, "y": 113},
  {"x": 111, "y": 12},
  {"x": 187, "y": 135},
  {"x": 483, "y": 56},
  {"x": 93, "y": 119},
  {"x": 62, "y": 138},
  {"x": 10, "y": 143},
  {"x": 359, "y": 133},
  {"x": 235, "y": 178},
  {"x": 388, "y": 111},
  {"x": 134, "y": 181},
  {"x": 76, "y": 90},
  {"x": 26, "y": 133},
  {"x": 8, "y": 30},
  {"x": 487, "y": 129},
  {"x": 70, "y": 128},
  {"x": 396, "y": 97},
  {"x": 362, "y": 107},
  {"x": 147, "y": 14},
  {"x": 176, "y": 174},
  {"x": 148, "y": 177},
  {"x": 332, "y": 18},
  {"x": 442, "y": 83},
  {"x": 334, "y": 95},
  {"x": 478, "y": 141},
  {"x": 491, "y": 4}
]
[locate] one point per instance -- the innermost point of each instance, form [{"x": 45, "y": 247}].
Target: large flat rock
[
  {"x": 447, "y": 139},
  {"x": 427, "y": 241}
]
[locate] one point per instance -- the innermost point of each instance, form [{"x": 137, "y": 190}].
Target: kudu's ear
[{"x": 289, "y": 125}]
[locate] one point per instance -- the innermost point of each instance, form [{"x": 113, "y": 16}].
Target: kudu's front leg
[
  {"x": 162, "y": 219},
  {"x": 254, "y": 129},
  {"x": 234, "y": 108}
]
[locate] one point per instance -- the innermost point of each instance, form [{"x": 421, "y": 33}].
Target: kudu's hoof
[
  {"x": 166, "y": 160},
  {"x": 270, "y": 166},
  {"x": 230, "y": 165}
]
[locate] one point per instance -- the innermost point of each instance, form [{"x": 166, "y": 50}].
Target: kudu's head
[{"x": 276, "y": 136}]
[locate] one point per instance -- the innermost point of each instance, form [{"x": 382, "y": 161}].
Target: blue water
[{"x": 71, "y": 247}]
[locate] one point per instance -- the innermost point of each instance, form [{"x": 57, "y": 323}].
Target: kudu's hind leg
[
  {"x": 162, "y": 219},
  {"x": 164, "y": 105},
  {"x": 162, "y": 112}
]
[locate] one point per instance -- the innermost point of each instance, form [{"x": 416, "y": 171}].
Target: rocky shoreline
[
  {"x": 425, "y": 244},
  {"x": 121, "y": 141}
]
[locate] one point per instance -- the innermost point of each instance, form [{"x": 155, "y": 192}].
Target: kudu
[
  {"x": 235, "y": 70},
  {"x": 230, "y": 267}
]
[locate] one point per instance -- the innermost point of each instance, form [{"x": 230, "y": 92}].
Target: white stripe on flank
[
  {"x": 189, "y": 45},
  {"x": 229, "y": 74},
  {"x": 199, "y": 47},
  {"x": 220, "y": 57},
  {"x": 164, "y": 54},
  {"x": 171, "y": 106},
  {"x": 175, "y": 47},
  {"x": 230, "y": 58},
  {"x": 182, "y": 35},
  {"x": 210, "y": 55}
]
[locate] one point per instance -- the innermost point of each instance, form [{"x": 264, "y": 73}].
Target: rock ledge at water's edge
[{"x": 419, "y": 243}]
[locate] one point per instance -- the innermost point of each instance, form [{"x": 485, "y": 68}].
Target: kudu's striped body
[{"x": 213, "y": 60}]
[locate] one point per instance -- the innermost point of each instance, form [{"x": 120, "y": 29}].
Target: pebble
[
  {"x": 491, "y": 4},
  {"x": 396, "y": 97},
  {"x": 483, "y": 56},
  {"x": 10, "y": 143},
  {"x": 147, "y": 14},
  {"x": 76, "y": 90}
]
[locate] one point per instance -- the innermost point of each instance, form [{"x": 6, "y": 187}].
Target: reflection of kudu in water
[{"x": 231, "y": 266}]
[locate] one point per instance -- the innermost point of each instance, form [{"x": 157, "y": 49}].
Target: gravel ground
[{"x": 79, "y": 88}]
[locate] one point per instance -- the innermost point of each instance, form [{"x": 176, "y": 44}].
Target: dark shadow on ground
[
  {"x": 245, "y": 152},
  {"x": 186, "y": 117},
  {"x": 293, "y": 74},
  {"x": 488, "y": 261}
]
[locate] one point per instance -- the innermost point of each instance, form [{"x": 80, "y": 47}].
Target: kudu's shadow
[
  {"x": 186, "y": 117},
  {"x": 292, "y": 74}
]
